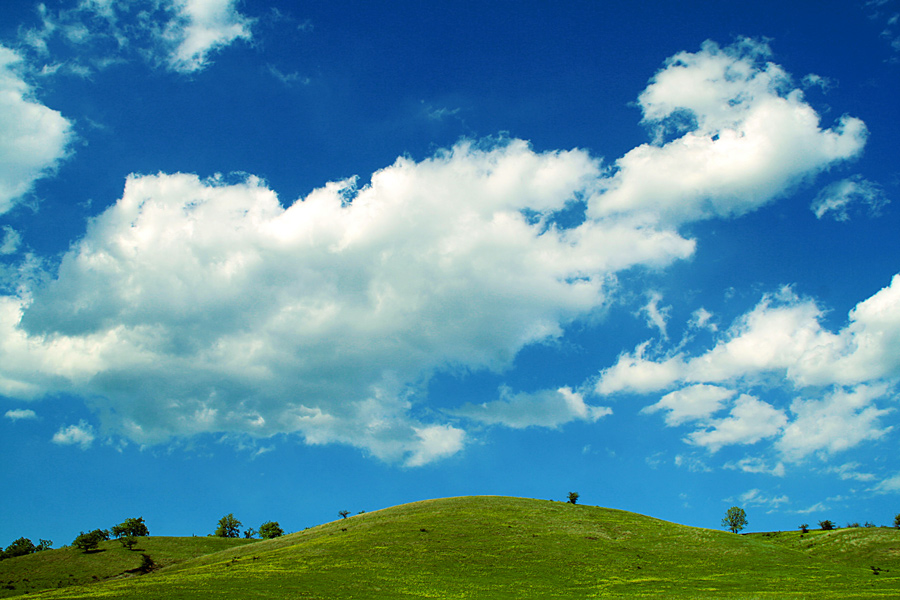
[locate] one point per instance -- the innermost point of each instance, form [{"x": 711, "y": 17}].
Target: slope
[{"x": 496, "y": 547}]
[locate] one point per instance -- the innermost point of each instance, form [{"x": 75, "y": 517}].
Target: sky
[{"x": 284, "y": 259}]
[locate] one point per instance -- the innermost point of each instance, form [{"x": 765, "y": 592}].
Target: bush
[
  {"x": 128, "y": 541},
  {"x": 270, "y": 529},
  {"x": 573, "y": 497},
  {"x": 826, "y": 525},
  {"x": 804, "y": 528},
  {"x": 897, "y": 521}
]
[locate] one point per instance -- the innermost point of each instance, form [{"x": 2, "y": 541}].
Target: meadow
[{"x": 480, "y": 547}]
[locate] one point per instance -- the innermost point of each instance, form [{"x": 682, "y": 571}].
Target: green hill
[{"x": 496, "y": 547}]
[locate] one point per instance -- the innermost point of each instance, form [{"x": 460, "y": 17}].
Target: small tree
[
  {"x": 249, "y": 533},
  {"x": 44, "y": 545},
  {"x": 897, "y": 521},
  {"x": 128, "y": 541},
  {"x": 826, "y": 525},
  {"x": 343, "y": 513},
  {"x": 735, "y": 519},
  {"x": 88, "y": 541},
  {"x": 573, "y": 497},
  {"x": 229, "y": 527},
  {"x": 804, "y": 528},
  {"x": 133, "y": 527},
  {"x": 270, "y": 529}
]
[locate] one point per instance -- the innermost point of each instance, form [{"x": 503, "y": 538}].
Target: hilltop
[{"x": 498, "y": 547}]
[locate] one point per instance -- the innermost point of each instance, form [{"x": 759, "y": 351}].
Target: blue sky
[{"x": 281, "y": 260}]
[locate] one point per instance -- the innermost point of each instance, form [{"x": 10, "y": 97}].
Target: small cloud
[
  {"x": 756, "y": 465},
  {"x": 836, "y": 199},
  {"x": 703, "y": 319},
  {"x": 656, "y": 317},
  {"x": 755, "y": 497},
  {"x": 20, "y": 414},
  {"x": 81, "y": 434},
  {"x": 11, "y": 240},
  {"x": 544, "y": 408},
  {"x": 288, "y": 78},
  {"x": 815, "y": 508},
  {"x": 891, "y": 485},
  {"x": 851, "y": 471}
]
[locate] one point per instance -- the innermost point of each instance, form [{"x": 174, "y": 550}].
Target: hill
[{"x": 496, "y": 547}]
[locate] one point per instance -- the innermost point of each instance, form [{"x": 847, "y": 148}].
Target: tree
[
  {"x": 128, "y": 541},
  {"x": 343, "y": 513},
  {"x": 270, "y": 529},
  {"x": 826, "y": 525},
  {"x": 44, "y": 545},
  {"x": 88, "y": 541},
  {"x": 735, "y": 519},
  {"x": 133, "y": 527},
  {"x": 20, "y": 547},
  {"x": 229, "y": 527},
  {"x": 804, "y": 528},
  {"x": 249, "y": 533},
  {"x": 573, "y": 497},
  {"x": 897, "y": 521}
]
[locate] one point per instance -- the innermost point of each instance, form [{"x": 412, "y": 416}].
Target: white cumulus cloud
[
  {"x": 20, "y": 414},
  {"x": 81, "y": 435},
  {"x": 838, "y": 198}
]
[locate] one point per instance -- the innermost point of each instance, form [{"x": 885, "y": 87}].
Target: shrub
[
  {"x": 573, "y": 497},
  {"x": 826, "y": 525},
  {"x": 897, "y": 521},
  {"x": 804, "y": 528},
  {"x": 270, "y": 529}
]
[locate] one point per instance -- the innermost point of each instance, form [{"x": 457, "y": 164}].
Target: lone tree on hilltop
[
  {"x": 573, "y": 497},
  {"x": 344, "y": 513},
  {"x": 131, "y": 527},
  {"x": 229, "y": 527},
  {"x": 826, "y": 525},
  {"x": 735, "y": 519},
  {"x": 270, "y": 529}
]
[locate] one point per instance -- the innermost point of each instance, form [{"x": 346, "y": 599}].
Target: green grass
[
  {"x": 495, "y": 547},
  {"x": 65, "y": 567}
]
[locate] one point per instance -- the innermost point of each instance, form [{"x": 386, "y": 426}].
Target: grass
[{"x": 495, "y": 547}]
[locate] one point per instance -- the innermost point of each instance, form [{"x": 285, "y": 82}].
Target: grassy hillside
[
  {"x": 67, "y": 566},
  {"x": 494, "y": 547}
]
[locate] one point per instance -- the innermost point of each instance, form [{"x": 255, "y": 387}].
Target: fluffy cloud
[
  {"x": 691, "y": 403},
  {"x": 837, "y": 199},
  {"x": 81, "y": 435},
  {"x": 199, "y": 305},
  {"x": 194, "y": 306},
  {"x": 749, "y": 421},
  {"x": 33, "y": 138},
  {"x": 745, "y": 136},
  {"x": 841, "y": 375},
  {"x": 546, "y": 408}
]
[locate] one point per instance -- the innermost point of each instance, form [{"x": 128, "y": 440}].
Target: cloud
[
  {"x": 745, "y": 136},
  {"x": 751, "y": 464},
  {"x": 749, "y": 421},
  {"x": 20, "y": 414},
  {"x": 180, "y": 34},
  {"x": 81, "y": 435},
  {"x": 838, "y": 378},
  {"x": 11, "y": 240},
  {"x": 836, "y": 199},
  {"x": 201, "y": 27},
  {"x": 755, "y": 497},
  {"x": 656, "y": 316},
  {"x": 691, "y": 403},
  {"x": 546, "y": 408},
  {"x": 33, "y": 137},
  {"x": 204, "y": 305},
  {"x": 851, "y": 471}
]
